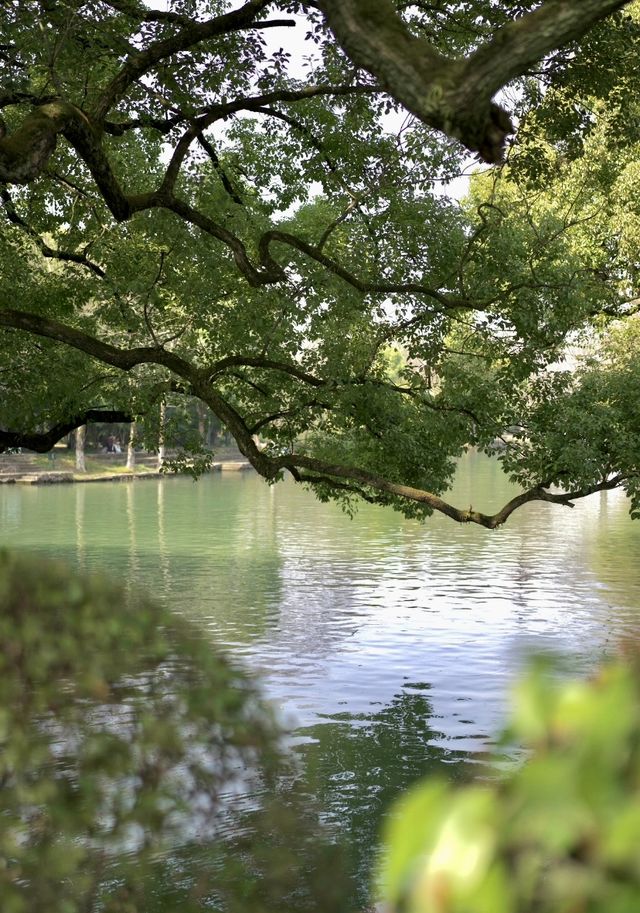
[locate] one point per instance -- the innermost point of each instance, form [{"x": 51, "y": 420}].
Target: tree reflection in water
[
  {"x": 357, "y": 764},
  {"x": 140, "y": 772}
]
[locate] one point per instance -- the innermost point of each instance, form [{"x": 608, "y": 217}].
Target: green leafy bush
[
  {"x": 139, "y": 771},
  {"x": 558, "y": 834}
]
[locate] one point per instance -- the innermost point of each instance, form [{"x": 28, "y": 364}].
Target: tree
[
  {"x": 258, "y": 227},
  {"x": 81, "y": 434}
]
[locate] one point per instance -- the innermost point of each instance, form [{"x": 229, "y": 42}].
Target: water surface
[{"x": 388, "y": 645}]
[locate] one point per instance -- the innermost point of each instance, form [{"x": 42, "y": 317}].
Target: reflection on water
[
  {"x": 356, "y": 763},
  {"x": 388, "y": 645},
  {"x": 137, "y": 767}
]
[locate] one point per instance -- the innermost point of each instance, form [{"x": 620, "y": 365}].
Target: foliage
[
  {"x": 557, "y": 833},
  {"x": 221, "y": 209},
  {"x": 130, "y": 751}
]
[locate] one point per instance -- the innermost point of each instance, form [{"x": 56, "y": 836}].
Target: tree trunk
[
  {"x": 81, "y": 434},
  {"x": 131, "y": 452},
  {"x": 202, "y": 422},
  {"x": 161, "y": 444}
]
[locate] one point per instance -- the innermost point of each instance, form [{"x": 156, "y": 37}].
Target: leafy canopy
[{"x": 233, "y": 206}]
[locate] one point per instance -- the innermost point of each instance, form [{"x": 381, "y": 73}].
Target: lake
[{"x": 387, "y": 645}]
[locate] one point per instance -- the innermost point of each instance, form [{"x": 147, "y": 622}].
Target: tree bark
[
  {"x": 131, "y": 451},
  {"x": 81, "y": 435},
  {"x": 25, "y": 152},
  {"x": 455, "y": 95}
]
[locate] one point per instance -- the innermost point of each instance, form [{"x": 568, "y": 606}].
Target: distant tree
[
  {"x": 81, "y": 434},
  {"x": 131, "y": 447}
]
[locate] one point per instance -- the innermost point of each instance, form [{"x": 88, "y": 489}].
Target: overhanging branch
[
  {"x": 436, "y": 503},
  {"x": 302, "y": 467},
  {"x": 44, "y": 441},
  {"x": 125, "y": 359},
  {"x": 455, "y": 95}
]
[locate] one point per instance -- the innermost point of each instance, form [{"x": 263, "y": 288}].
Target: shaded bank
[{"x": 58, "y": 467}]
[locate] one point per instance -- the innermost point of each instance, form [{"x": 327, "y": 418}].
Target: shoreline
[{"x": 68, "y": 477}]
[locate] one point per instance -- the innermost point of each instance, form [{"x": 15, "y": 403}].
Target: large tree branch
[
  {"x": 220, "y": 111},
  {"x": 161, "y": 125},
  {"x": 25, "y": 152},
  {"x": 526, "y": 40},
  {"x": 322, "y": 481},
  {"x": 455, "y": 95},
  {"x": 236, "y": 361},
  {"x": 144, "y": 14},
  {"x": 256, "y": 277},
  {"x": 124, "y": 359},
  {"x": 270, "y": 272},
  {"x": 336, "y": 383},
  {"x": 444, "y": 300},
  {"x": 199, "y": 384},
  {"x": 434, "y": 502},
  {"x": 44, "y": 441}
]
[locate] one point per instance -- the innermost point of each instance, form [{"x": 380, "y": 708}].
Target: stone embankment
[{"x": 34, "y": 469}]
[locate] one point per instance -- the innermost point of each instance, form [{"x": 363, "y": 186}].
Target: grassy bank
[{"x": 60, "y": 466}]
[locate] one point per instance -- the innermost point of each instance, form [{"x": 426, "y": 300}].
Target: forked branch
[{"x": 455, "y": 95}]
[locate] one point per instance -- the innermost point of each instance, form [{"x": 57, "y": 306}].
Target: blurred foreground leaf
[
  {"x": 139, "y": 771},
  {"x": 558, "y": 834}
]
